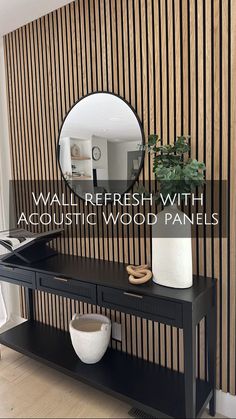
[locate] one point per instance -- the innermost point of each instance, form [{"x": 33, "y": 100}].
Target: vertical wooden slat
[
  {"x": 200, "y": 156},
  {"x": 208, "y": 93},
  {"x": 232, "y": 148}
]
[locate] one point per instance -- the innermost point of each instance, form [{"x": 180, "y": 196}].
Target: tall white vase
[{"x": 172, "y": 250}]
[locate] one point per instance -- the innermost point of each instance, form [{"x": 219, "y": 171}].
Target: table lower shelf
[{"x": 142, "y": 384}]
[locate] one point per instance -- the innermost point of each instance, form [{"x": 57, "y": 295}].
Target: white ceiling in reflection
[{"x": 104, "y": 115}]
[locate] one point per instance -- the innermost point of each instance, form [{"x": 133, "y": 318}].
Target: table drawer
[
  {"x": 17, "y": 276},
  {"x": 67, "y": 287},
  {"x": 158, "y": 309}
]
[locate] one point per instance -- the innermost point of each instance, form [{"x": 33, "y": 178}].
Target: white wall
[
  {"x": 102, "y": 164},
  {"x": 117, "y": 158},
  {"x": 4, "y": 142},
  {"x": 10, "y": 292},
  {"x": 65, "y": 155}
]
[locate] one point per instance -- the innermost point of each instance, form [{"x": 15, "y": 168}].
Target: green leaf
[
  {"x": 153, "y": 139},
  {"x": 172, "y": 169}
]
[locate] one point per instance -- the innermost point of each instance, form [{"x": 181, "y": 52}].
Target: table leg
[
  {"x": 211, "y": 346},
  {"x": 190, "y": 365},
  {"x": 29, "y": 303}
]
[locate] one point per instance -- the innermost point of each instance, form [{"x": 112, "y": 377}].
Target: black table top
[{"x": 111, "y": 274}]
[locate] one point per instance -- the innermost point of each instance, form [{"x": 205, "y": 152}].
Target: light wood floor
[{"x": 31, "y": 390}]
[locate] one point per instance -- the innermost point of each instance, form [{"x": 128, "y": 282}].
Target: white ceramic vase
[
  {"x": 90, "y": 335},
  {"x": 172, "y": 249}
]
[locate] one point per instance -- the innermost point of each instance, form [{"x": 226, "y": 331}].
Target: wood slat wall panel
[{"x": 175, "y": 62}]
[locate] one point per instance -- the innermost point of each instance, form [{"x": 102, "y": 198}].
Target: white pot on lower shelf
[
  {"x": 172, "y": 249},
  {"x": 90, "y": 335}
]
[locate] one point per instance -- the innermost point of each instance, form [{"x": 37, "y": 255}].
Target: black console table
[{"x": 158, "y": 391}]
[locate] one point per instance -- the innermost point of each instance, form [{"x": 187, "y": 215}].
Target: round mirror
[{"x": 100, "y": 145}]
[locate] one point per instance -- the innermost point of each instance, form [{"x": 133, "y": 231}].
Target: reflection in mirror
[{"x": 99, "y": 145}]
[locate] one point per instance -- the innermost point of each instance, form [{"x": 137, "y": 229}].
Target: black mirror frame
[{"x": 141, "y": 130}]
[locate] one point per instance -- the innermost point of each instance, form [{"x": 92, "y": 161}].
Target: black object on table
[
  {"x": 158, "y": 391},
  {"x": 29, "y": 251}
]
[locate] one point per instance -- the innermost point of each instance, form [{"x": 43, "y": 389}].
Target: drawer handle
[
  {"x": 130, "y": 294},
  {"x": 60, "y": 279}
]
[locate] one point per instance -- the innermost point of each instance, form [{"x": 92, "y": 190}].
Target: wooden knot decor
[{"x": 139, "y": 274}]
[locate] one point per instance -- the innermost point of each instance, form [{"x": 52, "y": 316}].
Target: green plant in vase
[
  {"x": 177, "y": 175},
  {"x": 174, "y": 170}
]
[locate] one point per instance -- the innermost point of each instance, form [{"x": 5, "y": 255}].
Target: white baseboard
[{"x": 226, "y": 404}]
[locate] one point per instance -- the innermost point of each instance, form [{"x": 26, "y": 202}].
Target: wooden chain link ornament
[{"x": 139, "y": 274}]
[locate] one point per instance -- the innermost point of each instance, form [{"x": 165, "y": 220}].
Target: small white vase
[
  {"x": 90, "y": 336},
  {"x": 172, "y": 249}
]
